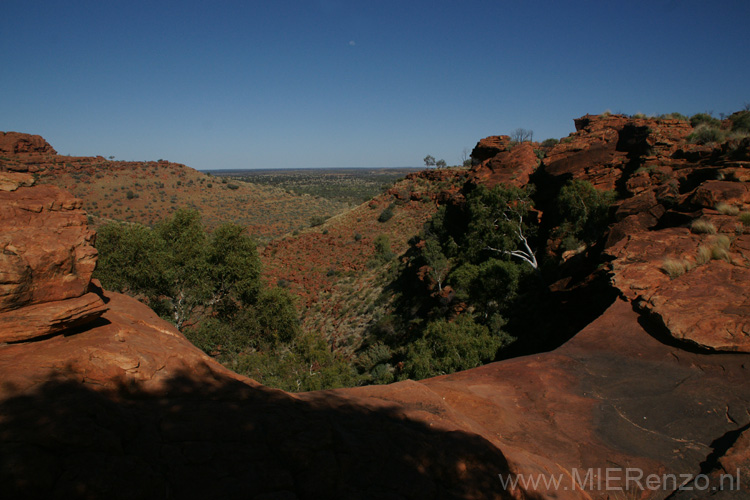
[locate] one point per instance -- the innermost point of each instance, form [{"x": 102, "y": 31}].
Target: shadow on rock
[{"x": 227, "y": 439}]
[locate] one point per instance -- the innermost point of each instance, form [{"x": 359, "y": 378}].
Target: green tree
[
  {"x": 307, "y": 364},
  {"x": 447, "y": 347},
  {"x": 584, "y": 211},
  {"x": 437, "y": 262},
  {"x": 132, "y": 259},
  {"x": 182, "y": 272},
  {"x": 490, "y": 287},
  {"x": 497, "y": 223}
]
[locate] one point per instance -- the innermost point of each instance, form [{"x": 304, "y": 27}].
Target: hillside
[
  {"x": 148, "y": 191},
  {"x": 336, "y": 269}
]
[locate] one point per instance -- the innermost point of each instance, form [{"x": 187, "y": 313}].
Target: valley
[{"x": 553, "y": 306}]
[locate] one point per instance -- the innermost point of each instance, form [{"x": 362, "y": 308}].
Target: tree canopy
[{"x": 181, "y": 271}]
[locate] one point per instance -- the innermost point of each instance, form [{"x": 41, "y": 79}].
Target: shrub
[
  {"x": 745, "y": 218},
  {"x": 704, "y": 118},
  {"x": 727, "y": 209},
  {"x": 130, "y": 195},
  {"x": 317, "y": 220},
  {"x": 386, "y": 214},
  {"x": 357, "y": 237},
  {"x": 741, "y": 121},
  {"x": 447, "y": 347},
  {"x": 548, "y": 143},
  {"x": 305, "y": 365},
  {"x": 674, "y": 116},
  {"x": 383, "y": 248},
  {"x": 584, "y": 211},
  {"x": 702, "y": 226},
  {"x": 233, "y": 186},
  {"x": 720, "y": 248},
  {"x": 675, "y": 267},
  {"x": 706, "y": 134}
]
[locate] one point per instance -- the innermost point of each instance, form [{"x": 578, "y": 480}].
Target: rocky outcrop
[
  {"x": 605, "y": 147},
  {"x": 693, "y": 282},
  {"x": 500, "y": 161},
  {"x": 14, "y": 143},
  {"x": 46, "y": 262},
  {"x": 705, "y": 301}
]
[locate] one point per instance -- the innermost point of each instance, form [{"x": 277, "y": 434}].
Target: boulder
[
  {"x": 511, "y": 167},
  {"x": 47, "y": 258}
]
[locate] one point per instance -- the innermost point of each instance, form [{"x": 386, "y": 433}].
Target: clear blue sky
[{"x": 282, "y": 83}]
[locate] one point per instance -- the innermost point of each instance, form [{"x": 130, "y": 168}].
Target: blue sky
[{"x": 331, "y": 83}]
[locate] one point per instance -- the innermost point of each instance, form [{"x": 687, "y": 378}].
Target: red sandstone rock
[
  {"x": 708, "y": 305},
  {"x": 489, "y": 147},
  {"x": 48, "y": 318},
  {"x": 47, "y": 253},
  {"x": 18, "y": 143},
  {"x": 127, "y": 408},
  {"x": 46, "y": 261},
  {"x": 511, "y": 168}
]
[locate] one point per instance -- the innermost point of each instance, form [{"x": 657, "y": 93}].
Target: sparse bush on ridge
[
  {"x": 387, "y": 214},
  {"x": 704, "y": 119},
  {"x": 741, "y": 121},
  {"x": 706, "y": 134},
  {"x": 674, "y": 116}
]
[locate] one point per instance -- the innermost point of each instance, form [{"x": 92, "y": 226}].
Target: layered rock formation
[
  {"x": 16, "y": 143},
  {"x": 46, "y": 262},
  {"x": 499, "y": 161}
]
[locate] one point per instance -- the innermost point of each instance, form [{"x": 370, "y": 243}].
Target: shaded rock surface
[
  {"x": 664, "y": 184},
  {"x": 127, "y": 408}
]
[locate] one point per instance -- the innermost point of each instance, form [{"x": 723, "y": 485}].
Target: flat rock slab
[{"x": 128, "y": 408}]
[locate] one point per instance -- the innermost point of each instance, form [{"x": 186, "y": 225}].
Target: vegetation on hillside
[
  {"x": 473, "y": 281},
  {"x": 351, "y": 186},
  {"x": 209, "y": 286}
]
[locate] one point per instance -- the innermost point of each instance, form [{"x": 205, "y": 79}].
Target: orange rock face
[
  {"x": 18, "y": 143},
  {"x": 500, "y": 162},
  {"x": 46, "y": 261}
]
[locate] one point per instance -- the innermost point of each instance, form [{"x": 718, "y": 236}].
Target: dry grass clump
[
  {"x": 720, "y": 249},
  {"x": 702, "y": 226},
  {"x": 704, "y": 255},
  {"x": 717, "y": 250},
  {"x": 675, "y": 267},
  {"x": 727, "y": 209}
]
